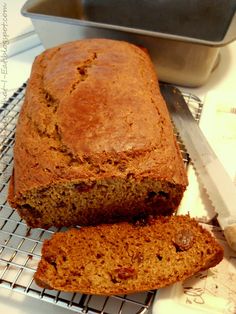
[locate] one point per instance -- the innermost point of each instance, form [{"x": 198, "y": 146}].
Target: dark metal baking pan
[
  {"x": 182, "y": 36},
  {"x": 207, "y": 21}
]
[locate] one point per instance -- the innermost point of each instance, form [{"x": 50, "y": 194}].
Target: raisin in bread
[{"x": 125, "y": 258}]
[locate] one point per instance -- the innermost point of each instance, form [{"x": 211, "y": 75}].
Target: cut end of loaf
[
  {"x": 126, "y": 258},
  {"x": 91, "y": 202}
]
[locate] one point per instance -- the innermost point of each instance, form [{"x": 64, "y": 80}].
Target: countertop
[{"x": 223, "y": 79}]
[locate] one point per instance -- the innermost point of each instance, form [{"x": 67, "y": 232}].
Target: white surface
[
  {"x": 16, "y": 23},
  {"x": 221, "y": 129},
  {"x": 16, "y": 32},
  {"x": 18, "y": 71},
  {"x": 19, "y": 66}
]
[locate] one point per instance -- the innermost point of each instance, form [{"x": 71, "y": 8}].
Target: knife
[{"x": 211, "y": 173}]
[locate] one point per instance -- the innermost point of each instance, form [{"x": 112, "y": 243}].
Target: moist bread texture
[
  {"x": 126, "y": 258},
  {"x": 94, "y": 141}
]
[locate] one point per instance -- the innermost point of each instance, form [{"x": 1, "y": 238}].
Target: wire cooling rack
[{"x": 20, "y": 246}]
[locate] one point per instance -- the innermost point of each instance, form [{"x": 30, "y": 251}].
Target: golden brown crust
[
  {"x": 93, "y": 111},
  {"x": 126, "y": 258}
]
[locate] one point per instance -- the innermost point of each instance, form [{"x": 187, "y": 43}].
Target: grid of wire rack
[{"x": 20, "y": 246}]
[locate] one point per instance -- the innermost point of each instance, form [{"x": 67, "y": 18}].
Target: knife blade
[{"x": 211, "y": 173}]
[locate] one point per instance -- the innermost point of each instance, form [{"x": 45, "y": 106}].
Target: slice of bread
[{"x": 126, "y": 258}]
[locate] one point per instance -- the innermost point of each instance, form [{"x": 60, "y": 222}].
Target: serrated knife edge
[{"x": 216, "y": 181}]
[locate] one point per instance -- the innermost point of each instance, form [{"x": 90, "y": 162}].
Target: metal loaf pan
[{"x": 183, "y": 36}]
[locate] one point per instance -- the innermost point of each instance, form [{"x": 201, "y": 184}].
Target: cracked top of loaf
[{"x": 93, "y": 108}]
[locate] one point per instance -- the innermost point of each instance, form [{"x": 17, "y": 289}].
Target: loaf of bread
[
  {"x": 124, "y": 258},
  {"x": 94, "y": 141}
]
